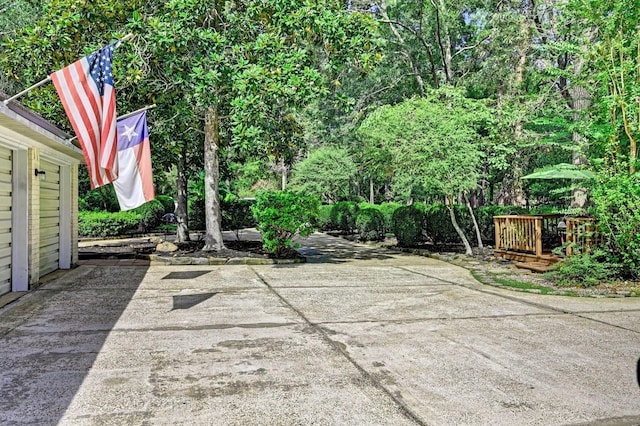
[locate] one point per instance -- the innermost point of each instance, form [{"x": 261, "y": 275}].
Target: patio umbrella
[{"x": 561, "y": 171}]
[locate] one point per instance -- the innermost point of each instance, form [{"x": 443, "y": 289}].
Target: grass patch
[{"x": 493, "y": 279}]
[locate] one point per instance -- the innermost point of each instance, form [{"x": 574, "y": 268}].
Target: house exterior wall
[{"x": 32, "y": 144}]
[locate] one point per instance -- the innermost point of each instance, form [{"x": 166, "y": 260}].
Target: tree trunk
[
  {"x": 372, "y": 199},
  {"x": 182, "y": 232},
  {"x": 454, "y": 222},
  {"x": 213, "y": 217},
  {"x": 581, "y": 101},
  {"x": 475, "y": 222},
  {"x": 284, "y": 178}
]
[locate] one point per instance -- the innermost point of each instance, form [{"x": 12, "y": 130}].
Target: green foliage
[
  {"x": 387, "y": 210},
  {"x": 438, "y": 223},
  {"x": 407, "y": 225},
  {"x": 324, "y": 222},
  {"x": 343, "y": 216},
  {"x": 328, "y": 173},
  {"x": 197, "y": 214},
  {"x": 281, "y": 215},
  {"x": 441, "y": 155},
  {"x": 370, "y": 224},
  {"x": 107, "y": 224},
  {"x": 150, "y": 214},
  {"x": 167, "y": 203},
  {"x": 585, "y": 270},
  {"x": 102, "y": 198},
  {"x": 617, "y": 210},
  {"x": 236, "y": 214}
]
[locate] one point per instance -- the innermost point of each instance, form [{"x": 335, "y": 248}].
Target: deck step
[{"x": 533, "y": 266}]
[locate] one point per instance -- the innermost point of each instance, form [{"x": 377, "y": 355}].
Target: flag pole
[
  {"x": 136, "y": 112},
  {"x": 48, "y": 79},
  {"x": 148, "y": 107},
  {"x": 27, "y": 90}
]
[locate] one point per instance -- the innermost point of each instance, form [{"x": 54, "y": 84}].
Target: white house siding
[
  {"x": 49, "y": 217},
  {"x": 6, "y": 189}
]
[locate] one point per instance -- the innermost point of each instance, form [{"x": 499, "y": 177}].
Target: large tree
[{"x": 436, "y": 141}]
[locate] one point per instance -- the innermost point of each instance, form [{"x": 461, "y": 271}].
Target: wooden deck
[{"x": 529, "y": 240}]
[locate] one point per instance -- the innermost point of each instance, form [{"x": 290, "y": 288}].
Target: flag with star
[
  {"x": 88, "y": 96},
  {"x": 134, "y": 185}
]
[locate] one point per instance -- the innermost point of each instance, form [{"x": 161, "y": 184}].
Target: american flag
[{"x": 87, "y": 93}]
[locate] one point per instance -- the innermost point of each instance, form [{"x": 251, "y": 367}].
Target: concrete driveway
[{"x": 356, "y": 336}]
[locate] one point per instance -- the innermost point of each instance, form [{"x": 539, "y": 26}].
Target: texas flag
[{"x": 134, "y": 185}]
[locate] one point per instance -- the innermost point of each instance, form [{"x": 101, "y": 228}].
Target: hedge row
[{"x": 410, "y": 224}]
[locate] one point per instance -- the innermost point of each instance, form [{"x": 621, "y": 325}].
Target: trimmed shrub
[
  {"x": 167, "y": 202},
  {"x": 407, "y": 225},
  {"x": 387, "y": 210},
  {"x": 107, "y": 224},
  {"x": 343, "y": 215},
  {"x": 370, "y": 224},
  {"x": 281, "y": 215},
  {"x": 150, "y": 215},
  {"x": 323, "y": 221},
  {"x": 439, "y": 227}
]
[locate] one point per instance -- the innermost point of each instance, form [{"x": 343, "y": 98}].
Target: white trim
[
  {"x": 20, "y": 222},
  {"x": 64, "y": 255}
]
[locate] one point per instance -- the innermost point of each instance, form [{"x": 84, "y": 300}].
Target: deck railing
[
  {"x": 582, "y": 235},
  {"x": 540, "y": 233},
  {"x": 527, "y": 234}
]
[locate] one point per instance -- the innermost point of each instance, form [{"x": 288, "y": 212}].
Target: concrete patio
[{"x": 355, "y": 336}]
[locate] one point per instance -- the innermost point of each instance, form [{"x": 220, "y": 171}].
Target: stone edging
[{"x": 156, "y": 259}]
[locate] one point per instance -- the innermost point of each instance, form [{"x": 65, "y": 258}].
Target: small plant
[
  {"x": 370, "y": 224},
  {"x": 281, "y": 215},
  {"x": 407, "y": 225},
  {"x": 585, "y": 270}
]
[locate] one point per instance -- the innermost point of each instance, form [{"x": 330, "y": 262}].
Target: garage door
[
  {"x": 5, "y": 220},
  {"x": 49, "y": 218}
]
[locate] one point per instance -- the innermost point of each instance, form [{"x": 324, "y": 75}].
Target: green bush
[
  {"x": 370, "y": 224},
  {"x": 617, "y": 210},
  {"x": 237, "y": 214},
  {"x": 107, "y": 224},
  {"x": 585, "y": 270},
  {"x": 281, "y": 215},
  {"x": 150, "y": 215},
  {"x": 323, "y": 221},
  {"x": 387, "y": 210},
  {"x": 167, "y": 202},
  {"x": 407, "y": 225},
  {"x": 343, "y": 215},
  {"x": 439, "y": 227}
]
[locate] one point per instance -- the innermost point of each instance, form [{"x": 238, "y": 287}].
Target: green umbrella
[{"x": 561, "y": 171}]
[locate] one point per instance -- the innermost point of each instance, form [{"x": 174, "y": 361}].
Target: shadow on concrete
[{"x": 51, "y": 337}]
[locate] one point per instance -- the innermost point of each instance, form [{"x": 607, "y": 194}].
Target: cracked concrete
[{"x": 355, "y": 336}]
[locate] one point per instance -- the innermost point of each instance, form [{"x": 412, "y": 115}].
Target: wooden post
[
  {"x": 496, "y": 224},
  {"x": 538, "y": 236}
]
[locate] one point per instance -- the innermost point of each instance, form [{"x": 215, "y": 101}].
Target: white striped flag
[
  {"x": 134, "y": 185},
  {"x": 87, "y": 93}
]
